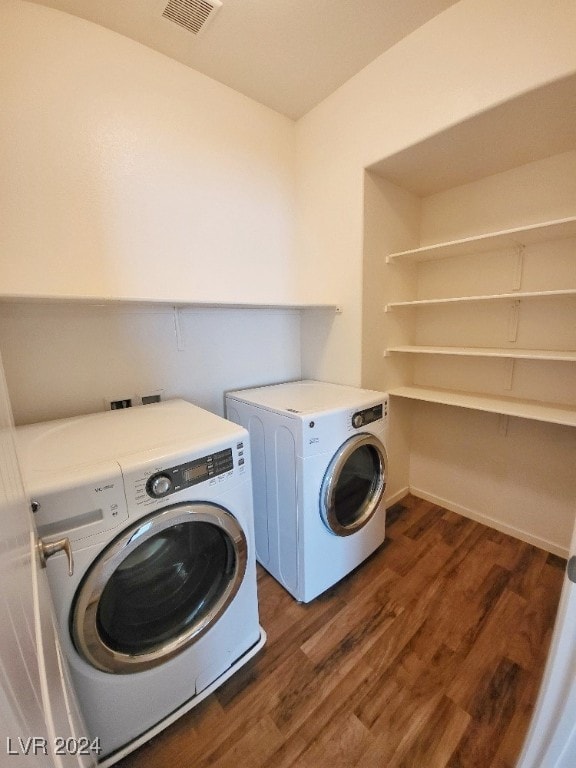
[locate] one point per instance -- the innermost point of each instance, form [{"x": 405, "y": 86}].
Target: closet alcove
[{"x": 469, "y": 313}]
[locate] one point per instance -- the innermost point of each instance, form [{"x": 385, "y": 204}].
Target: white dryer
[
  {"x": 160, "y": 606},
  {"x": 319, "y": 473}
]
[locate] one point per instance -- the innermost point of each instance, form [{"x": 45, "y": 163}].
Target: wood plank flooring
[{"x": 428, "y": 656}]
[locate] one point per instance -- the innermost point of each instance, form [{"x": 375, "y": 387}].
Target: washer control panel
[
  {"x": 369, "y": 415},
  {"x": 183, "y": 476}
]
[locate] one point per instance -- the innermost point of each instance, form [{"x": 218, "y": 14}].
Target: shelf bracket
[
  {"x": 509, "y": 373},
  {"x": 518, "y": 268},
  {"x": 178, "y": 330},
  {"x": 503, "y": 421},
  {"x": 513, "y": 320}
]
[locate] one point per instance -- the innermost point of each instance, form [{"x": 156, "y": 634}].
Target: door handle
[
  {"x": 571, "y": 569},
  {"x": 48, "y": 548}
]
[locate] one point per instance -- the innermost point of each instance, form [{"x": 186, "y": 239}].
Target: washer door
[
  {"x": 353, "y": 484},
  {"x": 158, "y": 587}
]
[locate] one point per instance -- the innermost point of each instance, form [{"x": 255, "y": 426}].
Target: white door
[
  {"x": 39, "y": 720},
  {"x": 551, "y": 740}
]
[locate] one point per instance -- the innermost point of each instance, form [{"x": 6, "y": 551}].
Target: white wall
[
  {"x": 542, "y": 190},
  {"x": 127, "y": 174},
  {"x": 514, "y": 475},
  {"x": 475, "y": 55},
  {"x": 63, "y": 360}
]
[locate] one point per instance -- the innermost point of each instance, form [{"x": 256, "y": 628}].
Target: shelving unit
[{"x": 514, "y": 240}]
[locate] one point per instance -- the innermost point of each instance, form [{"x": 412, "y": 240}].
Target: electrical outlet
[
  {"x": 147, "y": 399},
  {"x": 117, "y": 405},
  {"x": 153, "y": 396}
]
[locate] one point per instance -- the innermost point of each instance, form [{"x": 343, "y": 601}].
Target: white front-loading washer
[
  {"x": 319, "y": 474},
  {"x": 161, "y": 605}
]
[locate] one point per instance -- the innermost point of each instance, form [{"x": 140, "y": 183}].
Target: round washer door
[
  {"x": 158, "y": 587},
  {"x": 353, "y": 484}
]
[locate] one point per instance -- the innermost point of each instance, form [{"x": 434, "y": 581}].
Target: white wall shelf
[
  {"x": 508, "y": 406},
  {"x": 515, "y": 296},
  {"x": 175, "y": 303},
  {"x": 516, "y": 237},
  {"x": 509, "y": 353}
]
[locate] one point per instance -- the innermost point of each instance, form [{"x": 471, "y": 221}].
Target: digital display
[
  {"x": 194, "y": 472},
  {"x": 368, "y": 415},
  {"x": 174, "y": 479}
]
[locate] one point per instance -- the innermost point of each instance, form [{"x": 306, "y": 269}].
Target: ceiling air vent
[{"x": 193, "y": 15}]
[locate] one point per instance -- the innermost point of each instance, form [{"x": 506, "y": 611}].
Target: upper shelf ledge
[
  {"x": 519, "y": 236},
  {"x": 108, "y": 301}
]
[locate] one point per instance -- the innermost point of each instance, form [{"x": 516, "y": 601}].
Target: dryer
[
  {"x": 155, "y": 591},
  {"x": 319, "y": 467}
]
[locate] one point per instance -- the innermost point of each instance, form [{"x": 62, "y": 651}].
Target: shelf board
[
  {"x": 515, "y": 296},
  {"x": 108, "y": 301},
  {"x": 518, "y": 354},
  {"x": 518, "y": 236},
  {"x": 508, "y": 406}
]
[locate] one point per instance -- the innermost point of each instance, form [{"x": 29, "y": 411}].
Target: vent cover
[{"x": 193, "y": 15}]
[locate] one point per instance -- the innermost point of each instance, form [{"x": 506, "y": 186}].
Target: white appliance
[
  {"x": 161, "y": 606},
  {"x": 319, "y": 474}
]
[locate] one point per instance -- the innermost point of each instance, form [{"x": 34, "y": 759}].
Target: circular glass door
[
  {"x": 353, "y": 485},
  {"x": 158, "y": 587}
]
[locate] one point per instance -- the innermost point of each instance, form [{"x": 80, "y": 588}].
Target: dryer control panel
[
  {"x": 369, "y": 415},
  {"x": 183, "y": 476}
]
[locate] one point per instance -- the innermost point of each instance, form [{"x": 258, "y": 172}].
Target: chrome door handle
[{"x": 48, "y": 548}]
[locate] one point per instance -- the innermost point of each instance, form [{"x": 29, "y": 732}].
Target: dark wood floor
[{"x": 429, "y": 655}]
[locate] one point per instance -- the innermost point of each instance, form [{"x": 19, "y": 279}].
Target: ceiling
[{"x": 286, "y": 54}]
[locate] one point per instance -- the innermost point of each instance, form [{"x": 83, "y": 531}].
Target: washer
[
  {"x": 161, "y": 607},
  {"x": 319, "y": 474}
]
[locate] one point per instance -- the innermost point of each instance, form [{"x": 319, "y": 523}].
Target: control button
[
  {"x": 160, "y": 486},
  {"x": 357, "y": 420}
]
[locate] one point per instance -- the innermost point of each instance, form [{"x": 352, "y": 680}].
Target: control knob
[
  {"x": 357, "y": 420},
  {"x": 159, "y": 485}
]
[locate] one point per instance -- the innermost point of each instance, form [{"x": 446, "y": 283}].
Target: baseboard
[
  {"x": 396, "y": 497},
  {"x": 479, "y": 517}
]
